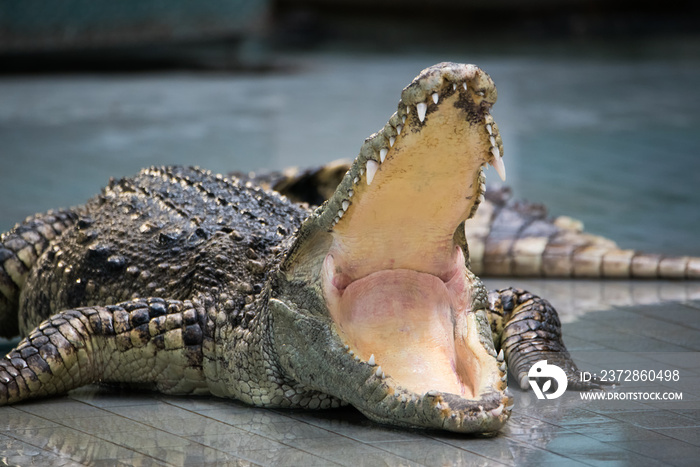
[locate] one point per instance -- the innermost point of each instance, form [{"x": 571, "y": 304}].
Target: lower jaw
[{"x": 408, "y": 323}]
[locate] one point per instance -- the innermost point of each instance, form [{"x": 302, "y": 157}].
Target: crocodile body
[{"x": 189, "y": 283}]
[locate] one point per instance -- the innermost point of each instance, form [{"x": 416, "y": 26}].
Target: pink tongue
[{"x": 405, "y": 319}]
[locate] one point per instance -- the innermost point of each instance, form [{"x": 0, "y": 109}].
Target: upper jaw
[{"x": 422, "y": 104}]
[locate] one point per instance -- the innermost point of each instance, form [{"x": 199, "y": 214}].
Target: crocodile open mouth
[{"x": 395, "y": 278}]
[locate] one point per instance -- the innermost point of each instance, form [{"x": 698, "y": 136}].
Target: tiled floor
[{"x": 94, "y": 426}]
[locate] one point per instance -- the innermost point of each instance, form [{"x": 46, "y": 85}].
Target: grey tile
[
  {"x": 287, "y": 431},
  {"x": 661, "y": 449},
  {"x": 17, "y": 447},
  {"x": 282, "y": 457},
  {"x": 585, "y": 449},
  {"x": 497, "y": 448},
  {"x": 191, "y": 425},
  {"x": 692, "y": 462},
  {"x": 431, "y": 452},
  {"x": 688, "y": 435},
  {"x": 236, "y": 417},
  {"x": 139, "y": 440},
  {"x": 149, "y": 412},
  {"x": 40, "y": 459},
  {"x": 57, "y": 438},
  {"x": 204, "y": 403},
  {"x": 12, "y": 418},
  {"x": 108, "y": 423},
  {"x": 60, "y": 408},
  {"x": 129, "y": 461},
  {"x": 349, "y": 452},
  {"x": 353, "y": 425},
  {"x": 188, "y": 453},
  {"x": 224, "y": 463},
  {"x": 655, "y": 419},
  {"x": 374, "y": 458},
  {"x": 235, "y": 442},
  {"x": 615, "y": 431}
]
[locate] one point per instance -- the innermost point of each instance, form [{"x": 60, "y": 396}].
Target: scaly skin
[{"x": 188, "y": 283}]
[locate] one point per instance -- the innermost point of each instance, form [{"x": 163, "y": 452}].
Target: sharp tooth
[
  {"x": 392, "y": 140},
  {"x": 422, "y": 107},
  {"x": 482, "y": 187},
  {"x": 346, "y": 205},
  {"x": 504, "y": 378},
  {"x": 493, "y": 141},
  {"x": 399, "y": 128},
  {"x": 454, "y": 86},
  {"x": 351, "y": 353},
  {"x": 355, "y": 180},
  {"x": 372, "y": 167},
  {"x": 497, "y": 411},
  {"x": 507, "y": 393},
  {"x": 379, "y": 371},
  {"x": 465, "y": 86},
  {"x": 336, "y": 219},
  {"x": 346, "y": 346},
  {"x": 382, "y": 154},
  {"x": 502, "y": 367},
  {"x": 509, "y": 407},
  {"x": 438, "y": 406},
  {"x": 357, "y": 359},
  {"x": 481, "y": 198},
  {"x": 498, "y": 163},
  {"x": 408, "y": 110},
  {"x": 371, "y": 360},
  {"x": 403, "y": 119},
  {"x": 340, "y": 213},
  {"x": 350, "y": 193},
  {"x": 435, "y": 97},
  {"x": 489, "y": 129},
  {"x": 501, "y": 356}
]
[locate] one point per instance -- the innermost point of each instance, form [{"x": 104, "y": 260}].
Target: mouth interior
[{"x": 394, "y": 278}]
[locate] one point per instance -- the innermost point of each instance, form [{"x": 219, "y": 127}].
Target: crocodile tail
[
  {"x": 19, "y": 250},
  {"x": 518, "y": 239}
]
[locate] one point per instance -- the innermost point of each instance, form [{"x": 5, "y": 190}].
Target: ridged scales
[{"x": 164, "y": 233}]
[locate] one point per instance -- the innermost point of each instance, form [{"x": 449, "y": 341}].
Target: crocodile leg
[
  {"x": 527, "y": 329},
  {"x": 19, "y": 250},
  {"x": 154, "y": 343}
]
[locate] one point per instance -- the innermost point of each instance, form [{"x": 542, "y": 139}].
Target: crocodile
[{"x": 185, "y": 282}]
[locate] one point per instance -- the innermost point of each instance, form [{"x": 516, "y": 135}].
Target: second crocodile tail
[{"x": 517, "y": 239}]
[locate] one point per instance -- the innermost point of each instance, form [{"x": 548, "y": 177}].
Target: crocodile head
[{"x": 374, "y": 302}]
